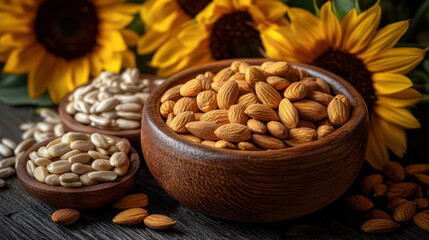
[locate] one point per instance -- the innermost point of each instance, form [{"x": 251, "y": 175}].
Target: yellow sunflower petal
[
  {"x": 396, "y": 60},
  {"x": 272, "y": 10},
  {"x": 398, "y": 116},
  {"x": 11, "y": 23},
  {"x": 164, "y": 56},
  {"x": 130, "y": 37},
  {"x": 145, "y": 10},
  {"x": 403, "y": 98},
  {"x": 394, "y": 137},
  {"x": 60, "y": 80},
  {"x": 348, "y": 25},
  {"x": 384, "y": 39},
  {"x": 376, "y": 153},
  {"x": 150, "y": 41},
  {"x": 304, "y": 20},
  {"x": 388, "y": 83},
  {"x": 331, "y": 25},
  {"x": 38, "y": 77},
  {"x": 112, "y": 40},
  {"x": 113, "y": 19},
  {"x": 126, "y": 8},
  {"x": 189, "y": 61},
  {"x": 163, "y": 15},
  {"x": 113, "y": 64},
  {"x": 96, "y": 64},
  {"x": 364, "y": 30},
  {"x": 24, "y": 59},
  {"x": 193, "y": 35},
  {"x": 80, "y": 72},
  {"x": 128, "y": 59}
]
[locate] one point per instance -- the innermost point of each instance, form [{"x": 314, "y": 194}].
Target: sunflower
[
  {"x": 163, "y": 19},
  {"x": 224, "y": 29},
  {"x": 365, "y": 57},
  {"x": 59, "y": 43}
]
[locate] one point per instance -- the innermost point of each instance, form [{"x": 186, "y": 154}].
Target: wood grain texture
[
  {"x": 24, "y": 217},
  {"x": 133, "y": 135},
  {"x": 84, "y": 197},
  {"x": 248, "y": 186}
]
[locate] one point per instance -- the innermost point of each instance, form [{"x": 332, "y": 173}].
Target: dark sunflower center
[
  {"x": 352, "y": 69},
  {"x": 233, "y": 36},
  {"x": 192, "y": 7},
  {"x": 67, "y": 28}
]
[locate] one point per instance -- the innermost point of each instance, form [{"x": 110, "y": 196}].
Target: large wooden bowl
[
  {"x": 81, "y": 198},
  {"x": 71, "y": 125},
  {"x": 261, "y": 186}
]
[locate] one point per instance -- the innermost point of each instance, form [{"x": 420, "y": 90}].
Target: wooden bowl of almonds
[
  {"x": 110, "y": 104},
  {"x": 255, "y": 140},
  {"x": 79, "y": 170}
]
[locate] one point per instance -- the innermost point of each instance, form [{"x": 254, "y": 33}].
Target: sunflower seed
[
  {"x": 48, "y": 113},
  {"x": 59, "y": 149},
  {"x": 9, "y": 143},
  {"x": 60, "y": 166},
  {"x": 124, "y": 146},
  {"x": 81, "y": 106},
  {"x": 103, "y": 176},
  {"x": 79, "y": 158},
  {"x": 43, "y": 152},
  {"x": 82, "y": 145},
  {"x": 101, "y": 165},
  {"x": 18, "y": 158},
  {"x": 69, "y": 177},
  {"x": 30, "y": 168},
  {"x": 99, "y": 141},
  {"x": 107, "y": 105},
  {"x": 80, "y": 168},
  {"x": 26, "y": 126},
  {"x": 28, "y": 133},
  {"x": 70, "y": 110},
  {"x": 6, "y": 172},
  {"x": 40, "y": 173},
  {"x": 72, "y": 184},
  {"x": 45, "y": 126},
  {"x": 98, "y": 155},
  {"x": 42, "y": 162},
  {"x": 69, "y": 154},
  {"x": 5, "y": 151},
  {"x": 122, "y": 170},
  {"x": 24, "y": 146},
  {"x": 53, "y": 179},
  {"x": 130, "y": 115},
  {"x": 127, "y": 124},
  {"x": 59, "y": 130},
  {"x": 119, "y": 159},
  {"x": 53, "y": 142},
  {"x": 86, "y": 181},
  {"x": 7, "y": 162},
  {"x": 129, "y": 107},
  {"x": 101, "y": 121}
]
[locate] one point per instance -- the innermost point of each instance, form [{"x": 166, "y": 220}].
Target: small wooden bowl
[
  {"x": 84, "y": 197},
  {"x": 71, "y": 125},
  {"x": 255, "y": 186}
]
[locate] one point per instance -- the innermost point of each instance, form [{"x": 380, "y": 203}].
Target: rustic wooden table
[{"x": 23, "y": 217}]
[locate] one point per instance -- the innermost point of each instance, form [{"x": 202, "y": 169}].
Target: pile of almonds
[
  {"x": 33, "y": 132},
  {"x": 133, "y": 213},
  {"x": 401, "y": 188},
  {"x": 111, "y": 101},
  {"x": 246, "y": 107},
  {"x": 79, "y": 159}
]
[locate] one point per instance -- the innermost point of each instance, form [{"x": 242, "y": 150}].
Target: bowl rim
[
  {"x": 358, "y": 114},
  {"x": 74, "y": 125},
  {"x": 32, "y": 183}
]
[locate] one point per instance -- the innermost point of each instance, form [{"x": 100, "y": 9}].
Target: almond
[
  {"x": 338, "y": 113},
  {"x": 295, "y": 91},
  {"x": 217, "y": 85},
  {"x": 243, "y": 88},
  {"x": 191, "y": 88},
  {"x": 370, "y": 181},
  {"x": 305, "y": 123},
  {"x": 288, "y": 114},
  {"x": 320, "y": 97},
  {"x": 233, "y": 132},
  {"x": 419, "y": 190},
  {"x": 219, "y": 116},
  {"x": 379, "y": 226},
  {"x": 209, "y": 74},
  {"x": 417, "y": 168},
  {"x": 247, "y": 146},
  {"x": 172, "y": 94},
  {"x": 192, "y": 138},
  {"x": 256, "y": 126},
  {"x": 236, "y": 114},
  {"x": 344, "y": 100},
  {"x": 324, "y": 121},
  {"x": 198, "y": 116},
  {"x": 203, "y": 129},
  {"x": 185, "y": 104},
  {"x": 223, "y": 75},
  {"x": 243, "y": 67},
  {"x": 402, "y": 190},
  {"x": 227, "y": 95},
  {"x": 170, "y": 118},
  {"x": 422, "y": 221},
  {"x": 310, "y": 83},
  {"x": 178, "y": 123},
  {"x": 324, "y": 131},
  {"x": 276, "y": 68},
  {"x": 394, "y": 171},
  {"x": 302, "y": 73},
  {"x": 166, "y": 108},
  {"x": 254, "y": 75},
  {"x": 132, "y": 201},
  {"x": 238, "y": 77},
  {"x": 322, "y": 86},
  {"x": 302, "y": 134},
  {"x": 310, "y": 110},
  {"x": 359, "y": 203},
  {"x": 268, "y": 142},
  {"x": 225, "y": 144},
  {"x": 392, "y": 205},
  {"x": 235, "y": 66},
  {"x": 209, "y": 143},
  {"x": 405, "y": 212},
  {"x": 131, "y": 216},
  {"x": 267, "y": 94},
  {"x": 207, "y": 100},
  {"x": 422, "y": 179},
  {"x": 278, "y": 83},
  {"x": 65, "y": 216},
  {"x": 421, "y": 203},
  {"x": 158, "y": 222},
  {"x": 247, "y": 100},
  {"x": 377, "y": 214},
  {"x": 293, "y": 74},
  {"x": 277, "y": 129},
  {"x": 205, "y": 82},
  {"x": 379, "y": 190},
  {"x": 261, "y": 112}
]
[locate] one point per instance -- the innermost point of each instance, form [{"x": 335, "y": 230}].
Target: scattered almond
[
  {"x": 65, "y": 216},
  {"x": 377, "y": 214},
  {"x": 405, "y": 212},
  {"x": 379, "y": 226},
  {"x": 158, "y": 222},
  {"x": 131, "y": 216},
  {"x": 132, "y": 201},
  {"x": 359, "y": 203},
  {"x": 422, "y": 220},
  {"x": 394, "y": 171}
]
